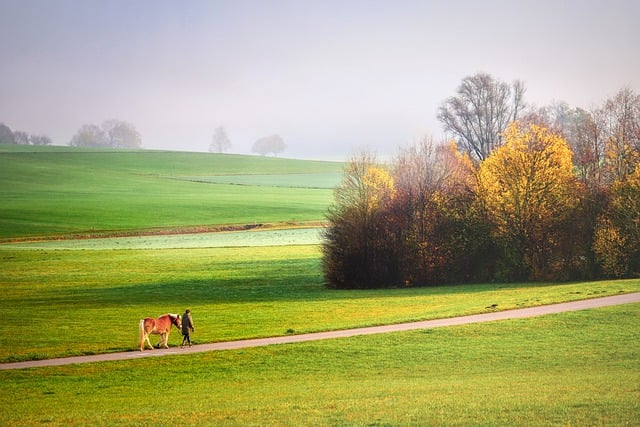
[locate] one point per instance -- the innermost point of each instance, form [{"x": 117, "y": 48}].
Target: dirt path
[{"x": 427, "y": 324}]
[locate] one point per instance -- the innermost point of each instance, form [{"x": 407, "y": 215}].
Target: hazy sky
[{"x": 329, "y": 76}]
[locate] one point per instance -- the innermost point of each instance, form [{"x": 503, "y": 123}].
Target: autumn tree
[
  {"x": 617, "y": 237},
  {"x": 528, "y": 189},
  {"x": 357, "y": 252},
  {"x": 480, "y": 112},
  {"x": 434, "y": 188}
]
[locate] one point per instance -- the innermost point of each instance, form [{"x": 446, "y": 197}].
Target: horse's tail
[{"x": 141, "y": 338}]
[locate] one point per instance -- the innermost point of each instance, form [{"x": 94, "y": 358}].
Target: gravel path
[{"x": 427, "y": 324}]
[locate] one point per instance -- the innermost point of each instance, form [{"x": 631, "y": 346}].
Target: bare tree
[
  {"x": 619, "y": 119},
  {"x": 220, "y": 141},
  {"x": 269, "y": 144},
  {"x": 481, "y": 110}
]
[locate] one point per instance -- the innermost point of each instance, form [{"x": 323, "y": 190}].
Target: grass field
[
  {"x": 64, "y": 191},
  {"x": 578, "y": 368},
  {"x": 63, "y": 298},
  {"x": 234, "y": 293}
]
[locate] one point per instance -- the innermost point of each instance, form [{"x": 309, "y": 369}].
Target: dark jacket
[{"x": 187, "y": 323}]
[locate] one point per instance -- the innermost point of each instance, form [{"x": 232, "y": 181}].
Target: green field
[
  {"x": 65, "y": 191},
  {"x": 577, "y": 368},
  {"x": 72, "y": 297},
  {"x": 235, "y": 293}
]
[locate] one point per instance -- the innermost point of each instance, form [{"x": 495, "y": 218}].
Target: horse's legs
[
  {"x": 148, "y": 342},
  {"x": 163, "y": 340}
]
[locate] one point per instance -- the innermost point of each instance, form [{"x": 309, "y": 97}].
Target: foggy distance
[{"x": 328, "y": 78}]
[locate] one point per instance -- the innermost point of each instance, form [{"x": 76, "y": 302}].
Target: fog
[{"x": 330, "y": 77}]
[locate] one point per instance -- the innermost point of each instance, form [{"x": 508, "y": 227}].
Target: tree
[
  {"x": 22, "y": 138},
  {"x": 220, "y": 141},
  {"x": 617, "y": 237},
  {"x": 528, "y": 189},
  {"x": 89, "y": 136},
  {"x": 113, "y": 134},
  {"x": 269, "y": 144},
  {"x": 6, "y": 135},
  {"x": 431, "y": 185},
  {"x": 40, "y": 140},
  {"x": 357, "y": 251},
  {"x": 120, "y": 134},
  {"x": 619, "y": 120},
  {"x": 480, "y": 112}
]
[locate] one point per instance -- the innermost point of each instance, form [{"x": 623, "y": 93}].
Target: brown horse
[{"x": 160, "y": 326}]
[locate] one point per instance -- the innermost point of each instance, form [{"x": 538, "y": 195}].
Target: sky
[{"x": 330, "y": 77}]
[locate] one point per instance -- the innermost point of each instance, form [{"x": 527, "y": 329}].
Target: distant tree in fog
[
  {"x": 220, "y": 141},
  {"x": 121, "y": 134},
  {"x": 89, "y": 136},
  {"x": 6, "y": 135},
  {"x": 21, "y": 137},
  {"x": 113, "y": 134},
  {"x": 269, "y": 144},
  {"x": 40, "y": 140},
  {"x": 24, "y": 138}
]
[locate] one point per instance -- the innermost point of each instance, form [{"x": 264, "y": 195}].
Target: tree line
[
  {"x": 517, "y": 194},
  {"x": 113, "y": 134},
  {"x": 121, "y": 134},
  {"x": 7, "y": 136}
]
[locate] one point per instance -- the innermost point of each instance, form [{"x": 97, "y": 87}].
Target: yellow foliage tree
[
  {"x": 617, "y": 236},
  {"x": 379, "y": 184},
  {"x": 527, "y": 188}
]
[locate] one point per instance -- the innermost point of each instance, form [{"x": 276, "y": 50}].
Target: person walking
[{"x": 187, "y": 327}]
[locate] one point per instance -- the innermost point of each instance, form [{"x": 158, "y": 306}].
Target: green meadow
[
  {"x": 74, "y": 297},
  {"x": 64, "y": 191},
  {"x": 577, "y": 368}
]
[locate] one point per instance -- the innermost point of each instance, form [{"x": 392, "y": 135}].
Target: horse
[{"x": 160, "y": 326}]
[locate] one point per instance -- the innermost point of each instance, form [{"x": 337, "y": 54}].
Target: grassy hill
[{"x": 50, "y": 191}]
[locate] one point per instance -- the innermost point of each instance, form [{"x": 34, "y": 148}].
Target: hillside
[{"x": 60, "y": 191}]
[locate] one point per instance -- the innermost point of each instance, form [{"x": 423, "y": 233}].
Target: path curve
[{"x": 259, "y": 342}]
